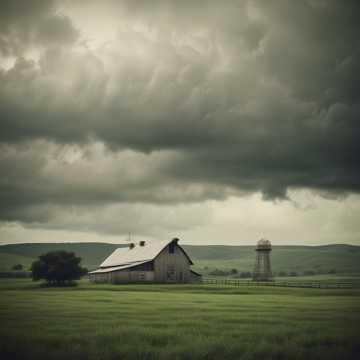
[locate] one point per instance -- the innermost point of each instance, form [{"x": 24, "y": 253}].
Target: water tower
[{"x": 262, "y": 270}]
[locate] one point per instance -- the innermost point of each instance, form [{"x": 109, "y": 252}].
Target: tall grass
[{"x": 176, "y": 322}]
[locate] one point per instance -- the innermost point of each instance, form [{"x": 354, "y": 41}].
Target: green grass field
[{"x": 177, "y": 322}]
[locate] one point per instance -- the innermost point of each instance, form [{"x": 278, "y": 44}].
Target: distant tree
[
  {"x": 309, "y": 272},
  {"x": 57, "y": 268},
  {"x": 293, "y": 273},
  {"x": 233, "y": 271},
  {"x": 219, "y": 272},
  {"x": 283, "y": 273},
  {"x": 18, "y": 267},
  {"x": 332, "y": 271}
]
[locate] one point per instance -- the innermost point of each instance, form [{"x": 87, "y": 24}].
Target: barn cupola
[{"x": 172, "y": 245}]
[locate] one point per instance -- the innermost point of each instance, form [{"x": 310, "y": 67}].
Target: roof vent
[
  {"x": 131, "y": 245},
  {"x": 142, "y": 243}
]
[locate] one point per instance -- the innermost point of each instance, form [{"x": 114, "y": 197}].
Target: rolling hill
[{"x": 341, "y": 258}]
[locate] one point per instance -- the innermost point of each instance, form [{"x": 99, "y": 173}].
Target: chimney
[
  {"x": 131, "y": 246},
  {"x": 175, "y": 240},
  {"x": 142, "y": 243}
]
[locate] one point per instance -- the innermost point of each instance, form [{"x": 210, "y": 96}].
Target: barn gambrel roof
[{"x": 126, "y": 257}]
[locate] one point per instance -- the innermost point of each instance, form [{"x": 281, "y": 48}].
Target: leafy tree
[
  {"x": 233, "y": 271},
  {"x": 18, "y": 267},
  {"x": 57, "y": 268}
]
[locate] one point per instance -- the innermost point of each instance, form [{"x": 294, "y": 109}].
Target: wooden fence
[{"x": 297, "y": 284}]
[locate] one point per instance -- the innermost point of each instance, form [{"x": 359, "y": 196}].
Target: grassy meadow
[{"x": 92, "y": 321}]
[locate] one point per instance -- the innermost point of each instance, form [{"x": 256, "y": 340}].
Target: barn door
[{"x": 171, "y": 273}]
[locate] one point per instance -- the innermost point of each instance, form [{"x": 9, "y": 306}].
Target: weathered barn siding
[
  {"x": 98, "y": 278},
  {"x": 172, "y": 267},
  {"x": 123, "y": 276}
]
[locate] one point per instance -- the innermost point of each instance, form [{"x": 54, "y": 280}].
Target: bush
[
  {"x": 57, "y": 268},
  {"x": 18, "y": 267}
]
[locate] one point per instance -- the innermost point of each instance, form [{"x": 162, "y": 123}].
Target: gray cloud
[
  {"x": 207, "y": 101},
  {"x": 25, "y": 25},
  {"x": 41, "y": 180}
]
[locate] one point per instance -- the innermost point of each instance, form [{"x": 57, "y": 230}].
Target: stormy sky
[{"x": 219, "y": 122}]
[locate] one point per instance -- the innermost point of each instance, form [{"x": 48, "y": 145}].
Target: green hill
[
  {"x": 91, "y": 253},
  {"x": 7, "y": 261},
  {"x": 341, "y": 258}
]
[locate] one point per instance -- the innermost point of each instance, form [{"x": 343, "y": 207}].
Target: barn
[{"x": 162, "y": 262}]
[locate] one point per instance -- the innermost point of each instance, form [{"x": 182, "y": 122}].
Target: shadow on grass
[{"x": 70, "y": 284}]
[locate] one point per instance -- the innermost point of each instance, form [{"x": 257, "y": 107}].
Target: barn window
[{"x": 171, "y": 247}]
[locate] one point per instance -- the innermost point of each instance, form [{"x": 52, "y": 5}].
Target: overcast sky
[{"x": 218, "y": 122}]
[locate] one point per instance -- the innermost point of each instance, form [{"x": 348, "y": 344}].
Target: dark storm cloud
[
  {"x": 224, "y": 98},
  {"x": 40, "y": 180}
]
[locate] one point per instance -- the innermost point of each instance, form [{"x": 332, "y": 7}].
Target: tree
[
  {"x": 57, "y": 268},
  {"x": 17, "y": 267}
]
